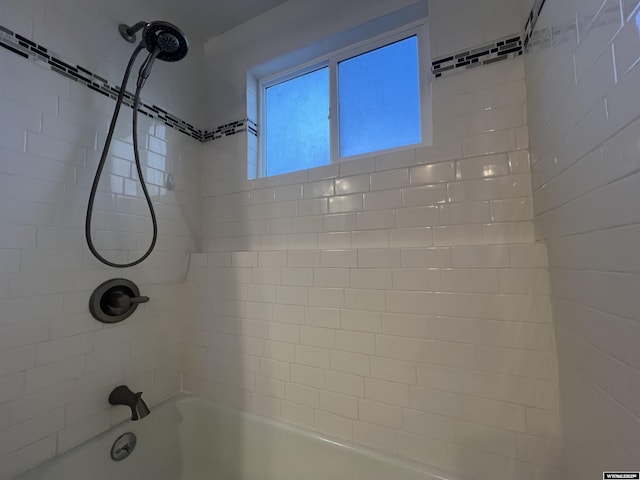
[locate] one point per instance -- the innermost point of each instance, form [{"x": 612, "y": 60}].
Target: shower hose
[{"x": 103, "y": 159}]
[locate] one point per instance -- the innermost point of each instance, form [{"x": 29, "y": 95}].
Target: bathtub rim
[
  {"x": 435, "y": 472},
  {"x": 184, "y": 398}
]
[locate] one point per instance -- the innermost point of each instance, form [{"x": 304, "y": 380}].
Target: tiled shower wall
[
  {"x": 401, "y": 301},
  {"x": 582, "y": 77},
  {"x": 58, "y": 364}
]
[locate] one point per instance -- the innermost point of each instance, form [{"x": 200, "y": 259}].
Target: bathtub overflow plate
[{"x": 123, "y": 446}]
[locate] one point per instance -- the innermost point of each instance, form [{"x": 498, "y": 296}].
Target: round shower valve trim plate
[{"x": 115, "y": 300}]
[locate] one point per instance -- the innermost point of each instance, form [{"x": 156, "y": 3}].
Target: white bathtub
[{"x": 187, "y": 438}]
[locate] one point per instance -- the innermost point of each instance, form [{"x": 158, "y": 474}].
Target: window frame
[{"x": 331, "y": 60}]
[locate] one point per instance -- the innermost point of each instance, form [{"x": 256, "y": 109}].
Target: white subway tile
[
  {"x": 473, "y": 190},
  {"x": 398, "y": 159},
  {"x": 288, "y": 313},
  {"x": 344, "y": 383},
  {"x": 511, "y": 210},
  {"x": 424, "y": 195},
  {"x": 370, "y": 239},
  {"x": 402, "y": 301},
  {"x": 376, "y": 220},
  {"x": 302, "y": 395},
  {"x": 322, "y": 317},
  {"x": 83, "y": 431},
  {"x": 283, "y": 332},
  {"x": 297, "y": 277},
  {"x": 417, "y": 216},
  {"x": 343, "y": 405},
  {"x": 440, "y": 151},
  {"x": 334, "y": 425},
  {"x": 411, "y": 237},
  {"x": 380, "y": 413},
  {"x": 358, "y": 166},
  {"x": 359, "y": 299},
  {"x": 378, "y": 258},
  {"x": 361, "y": 321},
  {"x": 457, "y": 235},
  {"x": 319, "y": 337},
  {"x": 303, "y": 258},
  {"x": 309, "y": 376},
  {"x": 383, "y": 199},
  {"x": 322, "y": 188},
  {"x": 297, "y": 414},
  {"x": 433, "y": 173},
  {"x": 482, "y": 167},
  {"x": 326, "y": 297},
  {"x": 422, "y": 449},
  {"x": 429, "y": 425},
  {"x": 390, "y": 179},
  {"x": 485, "y": 256},
  {"x": 509, "y": 232},
  {"x": 355, "y": 184},
  {"x": 320, "y": 173},
  {"x": 401, "y": 348},
  {"x": 12, "y": 386},
  {"x": 345, "y": 203},
  {"x": 48, "y": 375},
  {"x": 372, "y": 278},
  {"x": 356, "y": 342},
  {"x": 292, "y": 295},
  {"x": 334, "y": 240},
  {"x": 348, "y": 362},
  {"x": 338, "y": 258},
  {"x": 281, "y": 351},
  {"x": 312, "y": 356},
  {"x": 269, "y": 387},
  {"x": 470, "y": 280},
  {"x": 276, "y": 369},
  {"x": 374, "y": 436},
  {"x": 340, "y": 222},
  {"x": 387, "y": 392},
  {"x": 393, "y": 370},
  {"x": 312, "y": 206}
]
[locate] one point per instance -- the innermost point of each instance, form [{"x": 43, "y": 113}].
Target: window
[{"x": 351, "y": 103}]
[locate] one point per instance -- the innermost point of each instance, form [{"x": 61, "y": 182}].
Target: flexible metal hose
[{"x": 103, "y": 159}]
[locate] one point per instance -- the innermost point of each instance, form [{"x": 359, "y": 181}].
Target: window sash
[{"x": 331, "y": 60}]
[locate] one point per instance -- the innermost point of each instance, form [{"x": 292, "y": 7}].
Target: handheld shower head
[
  {"x": 168, "y": 38},
  {"x": 165, "y": 42}
]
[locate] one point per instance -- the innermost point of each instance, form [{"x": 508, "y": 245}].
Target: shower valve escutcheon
[{"x": 115, "y": 300}]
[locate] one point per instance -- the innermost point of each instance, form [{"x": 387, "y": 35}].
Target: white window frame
[{"x": 331, "y": 60}]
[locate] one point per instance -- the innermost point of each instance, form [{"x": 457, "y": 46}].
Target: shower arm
[{"x": 129, "y": 33}]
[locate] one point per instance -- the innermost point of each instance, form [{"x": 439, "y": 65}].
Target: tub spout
[{"x": 122, "y": 395}]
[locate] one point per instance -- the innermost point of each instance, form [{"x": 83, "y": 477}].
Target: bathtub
[{"x": 188, "y": 438}]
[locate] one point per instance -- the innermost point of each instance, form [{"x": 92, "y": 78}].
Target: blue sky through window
[
  {"x": 379, "y": 99},
  {"x": 297, "y": 123}
]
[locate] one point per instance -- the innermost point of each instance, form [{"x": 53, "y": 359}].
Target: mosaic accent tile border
[
  {"x": 243, "y": 125},
  {"x": 531, "y": 21},
  {"x": 502, "y": 49},
  {"x": 28, "y": 49}
]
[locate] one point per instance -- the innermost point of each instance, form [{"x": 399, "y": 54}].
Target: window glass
[
  {"x": 379, "y": 99},
  {"x": 297, "y": 123}
]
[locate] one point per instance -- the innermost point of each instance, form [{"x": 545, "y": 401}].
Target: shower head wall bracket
[{"x": 115, "y": 300}]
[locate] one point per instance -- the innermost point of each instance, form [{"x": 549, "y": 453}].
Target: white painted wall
[
  {"x": 401, "y": 301},
  {"x": 58, "y": 364},
  {"x": 583, "y": 111}
]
